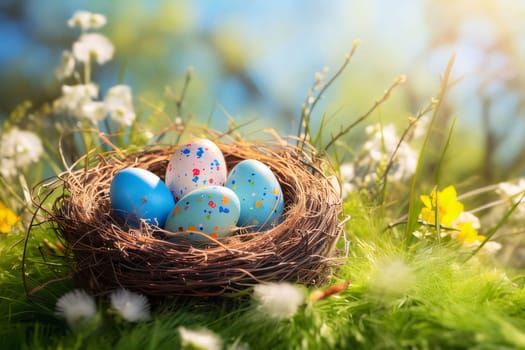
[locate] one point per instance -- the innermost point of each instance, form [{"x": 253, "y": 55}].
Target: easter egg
[
  {"x": 259, "y": 193},
  {"x": 212, "y": 210},
  {"x": 193, "y": 165},
  {"x": 137, "y": 194}
]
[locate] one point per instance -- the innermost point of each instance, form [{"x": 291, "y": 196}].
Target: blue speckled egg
[
  {"x": 259, "y": 193},
  {"x": 193, "y": 165},
  {"x": 137, "y": 194},
  {"x": 212, "y": 210}
]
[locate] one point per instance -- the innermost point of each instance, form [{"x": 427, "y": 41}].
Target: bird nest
[{"x": 106, "y": 254}]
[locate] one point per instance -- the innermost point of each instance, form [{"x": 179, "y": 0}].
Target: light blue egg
[
  {"x": 137, "y": 194},
  {"x": 259, "y": 193},
  {"x": 212, "y": 210}
]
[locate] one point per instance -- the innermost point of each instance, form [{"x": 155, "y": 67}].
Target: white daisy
[
  {"x": 131, "y": 306},
  {"x": 93, "y": 46},
  {"x": 278, "y": 300},
  {"x": 87, "y": 20},
  {"x": 202, "y": 339},
  {"x": 76, "y": 100},
  {"x": 77, "y": 307},
  {"x": 95, "y": 111},
  {"x": 119, "y": 104},
  {"x": 18, "y": 148}
]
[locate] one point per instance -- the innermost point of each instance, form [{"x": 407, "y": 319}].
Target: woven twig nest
[{"x": 109, "y": 255}]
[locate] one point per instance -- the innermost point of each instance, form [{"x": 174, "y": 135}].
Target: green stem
[
  {"x": 15, "y": 195},
  {"x": 87, "y": 72},
  {"x": 413, "y": 205}
]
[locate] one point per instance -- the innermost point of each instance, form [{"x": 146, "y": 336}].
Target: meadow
[{"x": 427, "y": 259}]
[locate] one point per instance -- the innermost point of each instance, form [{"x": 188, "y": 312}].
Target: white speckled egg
[
  {"x": 137, "y": 194},
  {"x": 212, "y": 210},
  {"x": 193, "y": 165},
  {"x": 259, "y": 193}
]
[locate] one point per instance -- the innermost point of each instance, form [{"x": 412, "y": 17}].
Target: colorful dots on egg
[
  {"x": 250, "y": 180},
  {"x": 212, "y": 210},
  {"x": 193, "y": 165}
]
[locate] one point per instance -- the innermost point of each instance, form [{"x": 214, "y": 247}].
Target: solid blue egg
[
  {"x": 138, "y": 194},
  {"x": 259, "y": 193},
  {"x": 210, "y": 210}
]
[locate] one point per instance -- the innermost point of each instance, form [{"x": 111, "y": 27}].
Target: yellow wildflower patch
[
  {"x": 467, "y": 233},
  {"x": 7, "y": 219},
  {"x": 446, "y": 204}
]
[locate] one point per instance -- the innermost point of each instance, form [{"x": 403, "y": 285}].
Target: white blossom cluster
[
  {"x": 81, "y": 100},
  {"x": 278, "y": 300},
  {"x": 79, "y": 308},
  {"x": 19, "y": 148},
  {"x": 202, "y": 339},
  {"x": 368, "y": 167}
]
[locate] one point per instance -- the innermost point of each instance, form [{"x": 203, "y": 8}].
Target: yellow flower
[
  {"x": 446, "y": 203},
  {"x": 467, "y": 225},
  {"x": 7, "y": 219},
  {"x": 467, "y": 233}
]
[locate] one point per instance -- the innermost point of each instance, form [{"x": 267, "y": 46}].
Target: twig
[
  {"x": 179, "y": 100},
  {"x": 309, "y": 106},
  {"x": 496, "y": 227},
  {"x": 411, "y": 124},
  {"x": 398, "y": 81}
]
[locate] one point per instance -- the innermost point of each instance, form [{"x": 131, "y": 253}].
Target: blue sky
[{"x": 286, "y": 42}]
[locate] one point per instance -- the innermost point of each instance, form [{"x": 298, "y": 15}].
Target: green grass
[{"x": 424, "y": 297}]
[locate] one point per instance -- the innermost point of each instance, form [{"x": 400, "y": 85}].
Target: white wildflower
[
  {"x": 393, "y": 277},
  {"x": 73, "y": 101},
  {"x": 381, "y": 137},
  {"x": 131, "y": 306},
  {"x": 67, "y": 66},
  {"x": 119, "y": 104},
  {"x": 74, "y": 96},
  {"x": 87, "y": 20},
  {"x": 347, "y": 188},
  {"x": 347, "y": 173},
  {"x": 93, "y": 46},
  {"x": 513, "y": 193},
  {"x": 18, "y": 148},
  {"x": 77, "y": 307},
  {"x": 93, "y": 110},
  {"x": 278, "y": 300},
  {"x": 508, "y": 189},
  {"x": 378, "y": 150},
  {"x": 202, "y": 339}
]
